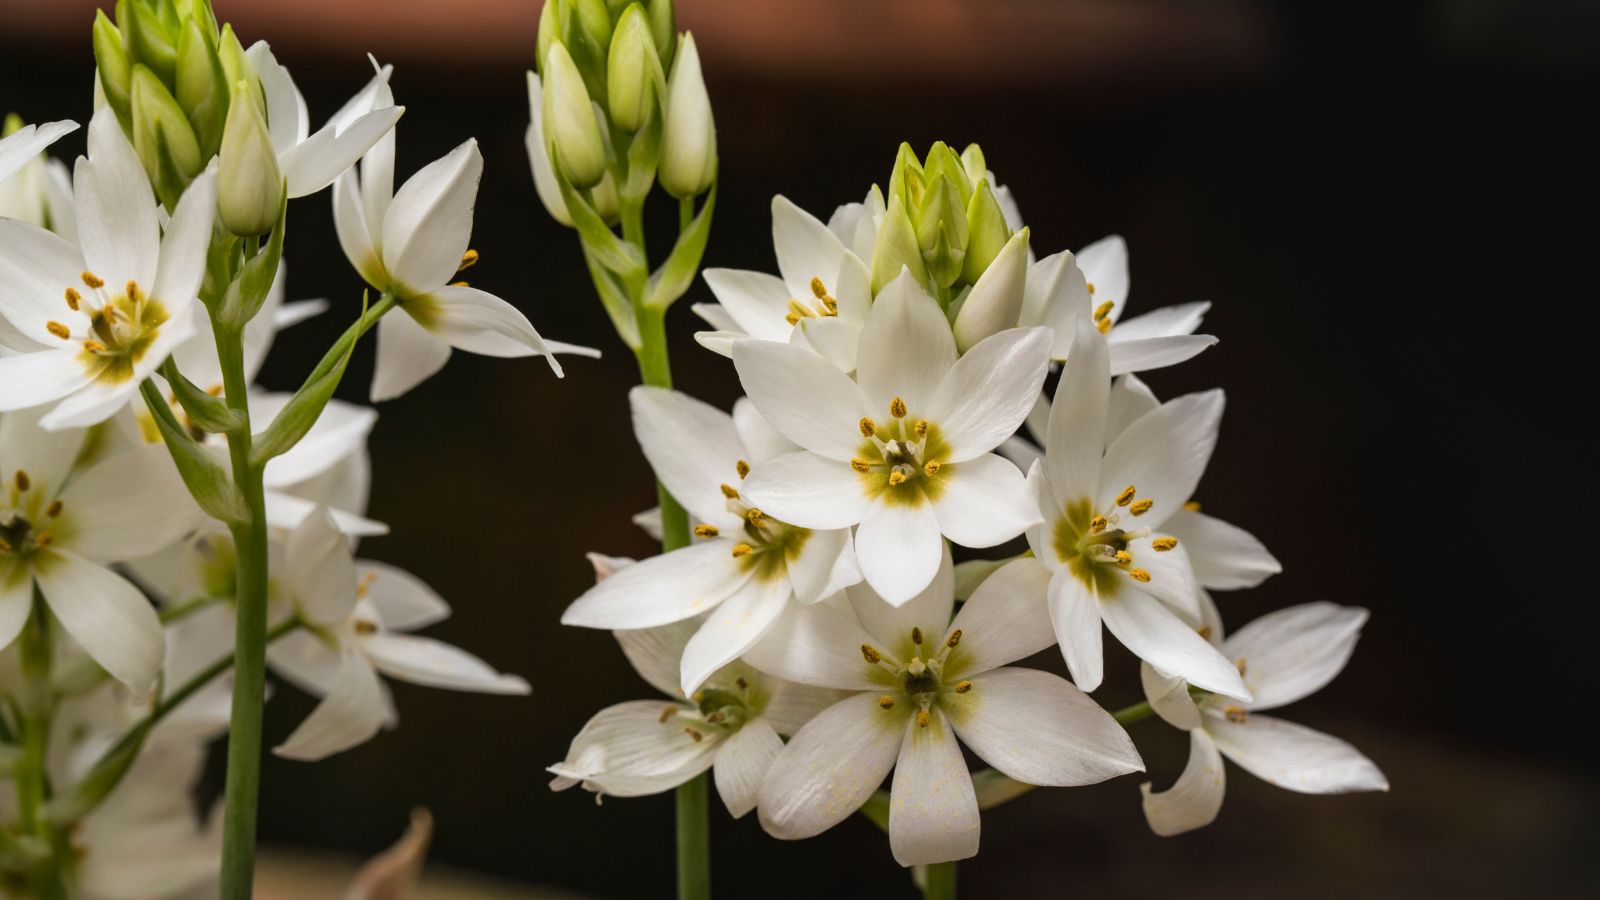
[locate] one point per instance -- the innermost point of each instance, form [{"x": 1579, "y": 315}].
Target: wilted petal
[{"x": 1195, "y": 798}]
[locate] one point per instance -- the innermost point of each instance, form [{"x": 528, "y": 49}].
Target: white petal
[
  {"x": 742, "y": 763},
  {"x": 106, "y": 614},
  {"x": 321, "y": 573},
  {"x": 1195, "y": 798},
  {"x": 693, "y": 448},
  {"x": 1164, "y": 454},
  {"x": 1105, "y": 265},
  {"x": 1171, "y": 578},
  {"x": 1007, "y": 619},
  {"x": 356, "y": 237},
  {"x": 906, "y": 351},
  {"x": 1130, "y": 399},
  {"x": 288, "y": 121},
  {"x": 401, "y": 598},
  {"x": 116, "y": 210},
  {"x": 429, "y": 224},
  {"x": 16, "y": 598},
  {"x": 1020, "y": 452},
  {"x": 655, "y": 653},
  {"x": 985, "y": 501},
  {"x": 1224, "y": 556},
  {"x": 349, "y": 715},
  {"x": 1145, "y": 354},
  {"x": 815, "y": 572},
  {"x": 31, "y": 379},
  {"x": 898, "y": 547},
  {"x": 323, "y": 157},
  {"x": 131, "y": 505},
  {"x": 760, "y": 439},
  {"x": 806, "y": 248},
  {"x": 830, "y": 767},
  {"x": 1169, "y": 696},
  {"x": 987, "y": 394},
  {"x": 183, "y": 247},
  {"x": 1076, "y": 440},
  {"x": 995, "y": 301},
  {"x": 479, "y": 322},
  {"x": 758, "y": 302},
  {"x": 1168, "y": 321},
  {"x": 817, "y": 645},
  {"x": 808, "y": 490},
  {"x": 407, "y": 356},
  {"x": 1037, "y": 728},
  {"x": 287, "y": 511},
  {"x": 890, "y": 625},
  {"x": 1292, "y": 653},
  {"x": 661, "y": 589},
  {"x": 98, "y": 400},
  {"x": 791, "y": 705},
  {"x": 834, "y": 338},
  {"x": 36, "y": 268},
  {"x": 733, "y": 627},
  {"x": 717, "y": 317},
  {"x": 19, "y": 149},
  {"x": 804, "y": 396},
  {"x": 46, "y": 456},
  {"x": 1294, "y": 756},
  {"x": 1075, "y": 610},
  {"x": 436, "y": 664},
  {"x": 933, "y": 811},
  {"x": 1155, "y": 634}
]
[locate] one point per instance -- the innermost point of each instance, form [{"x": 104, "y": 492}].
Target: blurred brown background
[{"x": 1384, "y": 200}]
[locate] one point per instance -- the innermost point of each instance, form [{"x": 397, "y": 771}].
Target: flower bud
[
  {"x": 995, "y": 302},
  {"x": 663, "y": 29},
  {"x": 148, "y": 40},
  {"x": 977, "y": 167},
  {"x": 162, "y": 137},
  {"x": 628, "y": 70},
  {"x": 116, "y": 69},
  {"x": 689, "y": 138},
  {"x": 987, "y": 232},
  {"x": 896, "y": 248},
  {"x": 942, "y": 230},
  {"x": 549, "y": 32},
  {"x": 237, "y": 69},
  {"x": 595, "y": 20},
  {"x": 569, "y": 125},
  {"x": 202, "y": 86},
  {"x": 249, "y": 184},
  {"x": 942, "y": 161}
]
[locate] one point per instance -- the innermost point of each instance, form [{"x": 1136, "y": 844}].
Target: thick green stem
[
  {"x": 939, "y": 881},
  {"x": 694, "y": 838},
  {"x": 32, "y": 780}
]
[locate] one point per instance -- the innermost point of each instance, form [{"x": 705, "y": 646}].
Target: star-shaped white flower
[
  {"x": 744, "y": 565},
  {"x": 1284, "y": 656},
  {"x": 356, "y": 613},
  {"x": 904, "y": 449},
  {"x": 919, "y": 682},
  {"x": 90, "y": 325}
]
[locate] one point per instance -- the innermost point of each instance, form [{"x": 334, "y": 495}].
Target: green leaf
[
  {"x": 676, "y": 275},
  {"x": 206, "y": 479},
  {"x": 303, "y": 409},
  {"x": 209, "y": 413},
  {"x": 609, "y": 250}
]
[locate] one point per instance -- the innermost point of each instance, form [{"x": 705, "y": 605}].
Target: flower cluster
[{"x": 814, "y": 635}]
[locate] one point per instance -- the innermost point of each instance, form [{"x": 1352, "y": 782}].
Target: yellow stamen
[
  {"x": 54, "y": 510},
  {"x": 897, "y": 478},
  {"x": 920, "y": 427},
  {"x": 916, "y": 635},
  {"x": 868, "y": 427},
  {"x": 1141, "y": 507},
  {"x": 818, "y": 288},
  {"x": 742, "y": 467},
  {"x": 1090, "y": 286},
  {"x": 860, "y": 465},
  {"x": 92, "y": 280},
  {"x": 666, "y": 714},
  {"x": 740, "y": 683},
  {"x": 468, "y": 260},
  {"x": 1204, "y": 631},
  {"x": 1192, "y": 506},
  {"x": 756, "y": 517},
  {"x": 1235, "y": 714},
  {"x": 1126, "y": 497},
  {"x": 870, "y": 655},
  {"x": 23, "y": 481},
  {"x": 94, "y": 346},
  {"x": 743, "y": 549},
  {"x": 363, "y": 626},
  {"x": 131, "y": 290},
  {"x": 73, "y": 299},
  {"x": 1139, "y": 575},
  {"x": 954, "y": 639},
  {"x": 931, "y": 467},
  {"x": 923, "y": 718},
  {"x": 1104, "y": 325},
  {"x": 5, "y": 546},
  {"x": 796, "y": 308},
  {"x": 706, "y": 531},
  {"x": 897, "y": 408},
  {"x": 717, "y": 716},
  {"x": 1097, "y": 524},
  {"x": 1239, "y": 664},
  {"x": 1163, "y": 544},
  {"x": 59, "y": 330},
  {"x": 365, "y": 585},
  {"x": 1103, "y": 310},
  {"x": 792, "y": 319},
  {"x": 886, "y": 701},
  {"x": 215, "y": 390},
  {"x": 963, "y": 686},
  {"x": 693, "y": 734},
  {"x": 730, "y": 492},
  {"x": 460, "y": 284},
  {"x": 44, "y": 540},
  {"x": 830, "y": 306},
  {"x": 1124, "y": 557}
]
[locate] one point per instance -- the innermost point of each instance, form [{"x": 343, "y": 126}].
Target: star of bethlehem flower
[
  {"x": 26, "y": 143},
  {"x": 731, "y": 724},
  {"x": 1284, "y": 656},
  {"x": 920, "y": 681},
  {"x": 62, "y": 523},
  {"x": 89, "y": 325},
  {"x": 744, "y": 564},
  {"x": 903, "y": 450},
  {"x": 1104, "y": 507},
  {"x": 356, "y": 614},
  {"x": 1093, "y": 285},
  {"x": 411, "y": 243}
]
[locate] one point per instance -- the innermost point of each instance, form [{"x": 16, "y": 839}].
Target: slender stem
[
  {"x": 1131, "y": 714},
  {"x": 939, "y": 881},
  {"x": 31, "y": 778},
  {"x": 693, "y": 800}
]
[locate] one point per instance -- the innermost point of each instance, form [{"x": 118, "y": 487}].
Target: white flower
[
  {"x": 1104, "y": 508},
  {"x": 731, "y": 724},
  {"x": 1093, "y": 285},
  {"x": 922, "y": 681},
  {"x": 411, "y": 243},
  {"x": 821, "y": 301},
  {"x": 1284, "y": 656},
  {"x": 544, "y": 173},
  {"x": 91, "y": 325},
  {"x": 355, "y": 614},
  {"x": 59, "y": 528},
  {"x": 904, "y": 449},
  {"x": 39, "y": 189},
  {"x": 310, "y": 162},
  {"x": 744, "y": 564},
  {"x": 21, "y": 147}
]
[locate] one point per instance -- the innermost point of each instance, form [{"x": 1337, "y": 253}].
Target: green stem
[
  {"x": 693, "y": 800},
  {"x": 1131, "y": 714},
  {"x": 939, "y": 881},
  {"x": 32, "y": 781}
]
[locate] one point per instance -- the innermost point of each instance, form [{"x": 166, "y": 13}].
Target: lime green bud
[
  {"x": 162, "y": 137},
  {"x": 995, "y": 302},
  {"x": 942, "y": 161},
  {"x": 977, "y": 168},
  {"x": 663, "y": 29},
  {"x": 150, "y": 41},
  {"x": 202, "y": 86},
  {"x": 987, "y": 231},
  {"x": 549, "y": 32},
  {"x": 116, "y": 69},
  {"x": 249, "y": 184},
  {"x": 689, "y": 137},
  {"x": 236, "y": 67},
  {"x": 906, "y": 180},
  {"x": 896, "y": 248},
  {"x": 569, "y": 122},
  {"x": 628, "y": 70},
  {"x": 595, "y": 20},
  {"x": 941, "y": 205}
]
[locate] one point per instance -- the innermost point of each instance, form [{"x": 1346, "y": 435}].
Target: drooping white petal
[
  {"x": 817, "y": 645},
  {"x": 116, "y": 210},
  {"x": 1145, "y": 354},
  {"x": 933, "y": 811},
  {"x": 349, "y": 715},
  {"x": 1155, "y": 634},
  {"x": 429, "y": 224},
  {"x": 805, "y": 397},
  {"x": 742, "y": 762},
  {"x": 1292, "y": 653},
  {"x": 1169, "y": 696},
  {"x": 1039, "y": 729},
  {"x": 19, "y": 149},
  {"x": 1007, "y": 619},
  {"x": 407, "y": 356},
  {"x": 479, "y": 322},
  {"x": 356, "y": 236},
  {"x": 638, "y": 739},
  {"x": 1168, "y": 321},
  {"x": 1075, "y": 444},
  {"x": 806, "y": 249},
  {"x": 1293, "y": 756},
  {"x": 322, "y": 574},
  {"x": 692, "y": 447},
  {"x": 987, "y": 394},
  {"x": 183, "y": 247},
  {"x": 401, "y": 598},
  {"x": 315, "y": 163},
  {"x": 339, "y": 431},
  {"x": 655, "y": 653},
  {"x": 1075, "y": 610},
  {"x": 1163, "y": 454},
  {"x": 128, "y": 506},
  {"x": 831, "y": 767},
  {"x": 661, "y": 589},
  {"x": 906, "y": 351},
  {"x": 733, "y": 627},
  {"x": 808, "y": 490},
  {"x": 1224, "y": 555},
  {"x": 898, "y": 547},
  {"x": 758, "y": 302},
  {"x": 432, "y": 663},
  {"x": 983, "y": 502},
  {"x": 890, "y": 625},
  {"x": 106, "y": 614},
  {"x": 1195, "y": 798}
]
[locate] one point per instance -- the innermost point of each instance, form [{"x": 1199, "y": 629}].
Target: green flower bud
[
  {"x": 941, "y": 206},
  {"x": 569, "y": 123},
  {"x": 162, "y": 137},
  {"x": 987, "y": 232},
  {"x": 202, "y": 86},
  {"x": 249, "y": 184},
  {"x": 906, "y": 181},
  {"x": 972, "y": 159},
  {"x": 150, "y": 41},
  {"x": 995, "y": 302},
  {"x": 549, "y": 32},
  {"x": 943, "y": 161},
  {"x": 896, "y": 247},
  {"x": 595, "y": 20},
  {"x": 628, "y": 70},
  {"x": 236, "y": 67},
  {"x": 663, "y": 29},
  {"x": 689, "y": 137},
  {"x": 116, "y": 69}
]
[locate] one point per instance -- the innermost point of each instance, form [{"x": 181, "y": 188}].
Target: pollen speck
[
  {"x": 963, "y": 686},
  {"x": 54, "y": 510},
  {"x": 742, "y": 467},
  {"x": 916, "y": 635},
  {"x": 818, "y": 288},
  {"x": 92, "y": 280},
  {"x": 897, "y": 478},
  {"x": 931, "y": 467},
  {"x": 666, "y": 714},
  {"x": 954, "y": 639},
  {"x": 923, "y": 718},
  {"x": 73, "y": 299},
  {"x": 1097, "y": 524},
  {"x": 860, "y": 465},
  {"x": 23, "y": 481},
  {"x": 743, "y": 549},
  {"x": 729, "y": 491},
  {"x": 920, "y": 427},
  {"x": 693, "y": 734},
  {"x": 870, "y": 655},
  {"x": 94, "y": 346}
]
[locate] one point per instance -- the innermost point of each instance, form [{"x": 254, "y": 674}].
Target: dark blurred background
[{"x": 1387, "y": 202}]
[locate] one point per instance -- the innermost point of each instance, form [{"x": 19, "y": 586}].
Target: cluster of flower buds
[{"x": 942, "y": 222}]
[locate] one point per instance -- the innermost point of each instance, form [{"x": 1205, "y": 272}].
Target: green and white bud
[
  {"x": 549, "y": 32},
  {"x": 689, "y": 137},
  {"x": 570, "y": 128},
  {"x": 977, "y": 167},
  {"x": 896, "y": 248},
  {"x": 202, "y": 87},
  {"x": 115, "y": 67},
  {"x": 663, "y": 29},
  {"x": 995, "y": 302},
  {"x": 149, "y": 41},
  {"x": 628, "y": 70},
  {"x": 162, "y": 137},
  {"x": 987, "y": 232},
  {"x": 249, "y": 183},
  {"x": 236, "y": 67},
  {"x": 942, "y": 230}
]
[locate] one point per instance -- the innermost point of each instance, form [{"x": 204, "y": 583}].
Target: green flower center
[{"x": 902, "y": 459}]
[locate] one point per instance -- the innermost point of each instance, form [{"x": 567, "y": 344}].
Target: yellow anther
[
  {"x": 365, "y": 626},
  {"x": 886, "y": 701},
  {"x": 717, "y": 716},
  {"x": 1104, "y": 325},
  {"x": 1163, "y": 544},
  {"x": 54, "y": 510},
  {"x": 792, "y": 319},
  {"x": 5, "y": 546},
  {"x": 1192, "y": 506},
  {"x": 666, "y": 714},
  {"x": 954, "y": 639},
  {"x": 916, "y": 635},
  {"x": 1141, "y": 507},
  {"x": 1097, "y": 524},
  {"x": 94, "y": 346},
  {"x": 44, "y": 540},
  {"x": 215, "y": 390},
  {"x": 1235, "y": 714},
  {"x": 1138, "y": 575},
  {"x": 1103, "y": 310},
  {"x": 742, "y": 467},
  {"x": 923, "y": 718},
  {"x": 1240, "y": 665},
  {"x": 830, "y": 306},
  {"x": 468, "y": 260},
  {"x": 963, "y": 686},
  {"x": 706, "y": 531},
  {"x": 365, "y": 584},
  {"x": 131, "y": 290},
  {"x": 931, "y": 467},
  {"x": 1126, "y": 497},
  {"x": 1123, "y": 557},
  {"x": 59, "y": 330},
  {"x": 868, "y": 427},
  {"x": 1204, "y": 631},
  {"x": 897, "y": 478},
  {"x": 92, "y": 280},
  {"x": 920, "y": 427},
  {"x": 818, "y": 288},
  {"x": 870, "y": 655},
  {"x": 756, "y": 517},
  {"x": 73, "y": 299},
  {"x": 796, "y": 308},
  {"x": 23, "y": 481},
  {"x": 461, "y": 284},
  {"x": 860, "y": 465},
  {"x": 1090, "y": 286},
  {"x": 743, "y": 549},
  {"x": 730, "y": 492},
  {"x": 897, "y": 408},
  {"x": 693, "y": 734}
]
